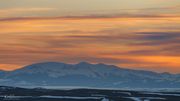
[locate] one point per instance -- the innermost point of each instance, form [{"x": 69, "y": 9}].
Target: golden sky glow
[{"x": 142, "y": 35}]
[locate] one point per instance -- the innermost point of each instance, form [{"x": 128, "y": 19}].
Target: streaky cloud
[{"x": 93, "y": 17}]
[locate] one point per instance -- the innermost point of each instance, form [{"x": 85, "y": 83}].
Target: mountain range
[{"x": 85, "y": 74}]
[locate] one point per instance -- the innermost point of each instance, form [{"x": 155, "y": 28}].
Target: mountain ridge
[{"x": 86, "y": 74}]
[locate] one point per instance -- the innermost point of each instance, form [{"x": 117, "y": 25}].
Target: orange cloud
[{"x": 140, "y": 43}]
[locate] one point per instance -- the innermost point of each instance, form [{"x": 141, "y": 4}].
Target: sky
[{"x": 134, "y": 34}]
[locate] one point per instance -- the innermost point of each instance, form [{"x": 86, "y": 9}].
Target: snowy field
[{"x": 86, "y": 94}]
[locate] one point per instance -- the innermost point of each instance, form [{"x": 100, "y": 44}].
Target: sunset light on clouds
[{"x": 143, "y": 34}]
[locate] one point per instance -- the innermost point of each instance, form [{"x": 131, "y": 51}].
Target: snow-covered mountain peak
[
  {"x": 83, "y": 63},
  {"x": 86, "y": 74}
]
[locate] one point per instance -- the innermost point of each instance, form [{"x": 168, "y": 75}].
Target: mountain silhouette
[{"x": 85, "y": 74}]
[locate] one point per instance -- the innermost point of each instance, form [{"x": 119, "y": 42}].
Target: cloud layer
[
  {"x": 139, "y": 43},
  {"x": 141, "y": 34}
]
